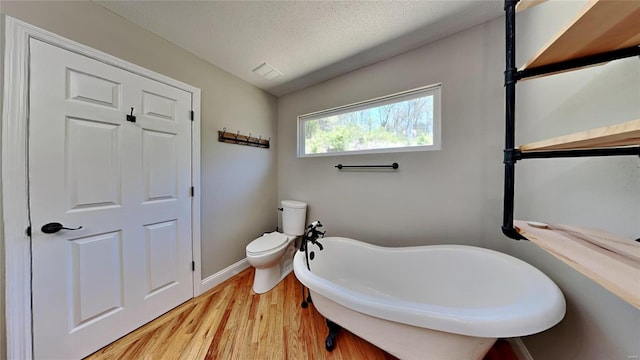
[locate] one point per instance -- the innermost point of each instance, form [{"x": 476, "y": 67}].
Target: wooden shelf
[
  {"x": 624, "y": 134},
  {"x": 609, "y": 260},
  {"x": 602, "y": 26}
]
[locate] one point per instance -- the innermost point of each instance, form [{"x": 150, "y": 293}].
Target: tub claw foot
[{"x": 330, "y": 342}]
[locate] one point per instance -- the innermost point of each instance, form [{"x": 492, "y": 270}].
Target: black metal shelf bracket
[
  {"x": 510, "y": 152},
  {"x": 578, "y": 63},
  {"x": 622, "y": 151},
  {"x": 511, "y": 77}
]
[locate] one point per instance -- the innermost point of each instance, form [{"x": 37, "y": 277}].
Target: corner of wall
[{"x": 3, "y": 338}]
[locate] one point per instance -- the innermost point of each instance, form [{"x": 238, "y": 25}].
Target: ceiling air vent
[{"x": 267, "y": 71}]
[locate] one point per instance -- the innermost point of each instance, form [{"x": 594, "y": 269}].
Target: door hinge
[
  {"x": 28, "y": 231},
  {"x": 192, "y": 115},
  {"x": 193, "y": 191},
  {"x": 193, "y": 266}
]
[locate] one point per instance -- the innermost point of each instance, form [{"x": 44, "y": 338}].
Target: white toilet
[{"x": 272, "y": 253}]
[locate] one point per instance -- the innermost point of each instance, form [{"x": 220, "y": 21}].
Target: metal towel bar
[{"x": 392, "y": 166}]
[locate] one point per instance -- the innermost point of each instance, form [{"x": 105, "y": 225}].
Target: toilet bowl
[
  {"x": 272, "y": 254},
  {"x": 266, "y": 254}
]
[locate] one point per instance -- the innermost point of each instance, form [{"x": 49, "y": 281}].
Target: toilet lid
[{"x": 267, "y": 242}]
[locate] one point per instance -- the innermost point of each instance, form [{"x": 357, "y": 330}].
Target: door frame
[{"x": 15, "y": 191}]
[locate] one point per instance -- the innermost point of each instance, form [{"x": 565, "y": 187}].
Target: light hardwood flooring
[{"x": 232, "y": 322}]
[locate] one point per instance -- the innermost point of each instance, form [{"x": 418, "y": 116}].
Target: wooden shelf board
[
  {"x": 602, "y": 26},
  {"x": 609, "y": 260},
  {"x": 523, "y": 5},
  {"x": 624, "y": 134}
]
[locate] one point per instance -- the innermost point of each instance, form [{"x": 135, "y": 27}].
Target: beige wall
[
  {"x": 238, "y": 182},
  {"x": 455, "y": 195},
  {"x": 3, "y": 338}
]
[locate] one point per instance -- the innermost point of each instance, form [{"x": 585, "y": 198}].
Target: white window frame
[{"x": 434, "y": 90}]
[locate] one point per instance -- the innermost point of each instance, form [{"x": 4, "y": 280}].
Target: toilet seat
[{"x": 267, "y": 243}]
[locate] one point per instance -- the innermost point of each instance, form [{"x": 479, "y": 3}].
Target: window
[{"x": 406, "y": 121}]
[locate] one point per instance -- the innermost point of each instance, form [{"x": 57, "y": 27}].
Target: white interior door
[{"x": 126, "y": 183}]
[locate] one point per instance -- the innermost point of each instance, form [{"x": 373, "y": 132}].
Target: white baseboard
[
  {"x": 518, "y": 347},
  {"x": 223, "y": 275}
]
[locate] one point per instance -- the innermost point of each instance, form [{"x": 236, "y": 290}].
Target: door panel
[
  {"x": 155, "y": 105},
  {"x": 162, "y": 262},
  {"x": 126, "y": 183},
  {"x": 92, "y": 168},
  {"x": 159, "y": 164},
  {"x": 163, "y": 129},
  {"x": 97, "y": 278},
  {"x": 93, "y": 89}
]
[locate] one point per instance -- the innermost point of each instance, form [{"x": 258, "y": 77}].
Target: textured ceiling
[{"x": 308, "y": 41}]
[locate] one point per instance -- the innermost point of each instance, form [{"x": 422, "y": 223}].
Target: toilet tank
[{"x": 294, "y": 215}]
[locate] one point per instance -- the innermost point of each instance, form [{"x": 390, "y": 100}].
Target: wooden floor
[{"x": 232, "y": 322}]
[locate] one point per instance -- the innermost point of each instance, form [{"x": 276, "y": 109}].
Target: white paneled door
[{"x": 127, "y": 184}]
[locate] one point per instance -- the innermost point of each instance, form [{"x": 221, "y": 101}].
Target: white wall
[
  {"x": 238, "y": 182},
  {"x": 455, "y": 195}
]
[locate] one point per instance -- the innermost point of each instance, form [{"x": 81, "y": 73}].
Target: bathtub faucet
[{"x": 311, "y": 235}]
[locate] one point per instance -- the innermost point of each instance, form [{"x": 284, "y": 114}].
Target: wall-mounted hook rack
[{"x": 237, "y": 138}]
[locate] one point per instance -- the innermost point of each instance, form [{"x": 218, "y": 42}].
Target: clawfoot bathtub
[{"x": 429, "y": 302}]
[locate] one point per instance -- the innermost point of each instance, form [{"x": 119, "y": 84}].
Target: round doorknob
[{"x": 54, "y": 227}]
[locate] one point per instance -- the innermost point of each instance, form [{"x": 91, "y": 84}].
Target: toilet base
[{"x": 266, "y": 279}]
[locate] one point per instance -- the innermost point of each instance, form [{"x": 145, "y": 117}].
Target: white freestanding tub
[{"x": 429, "y": 302}]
